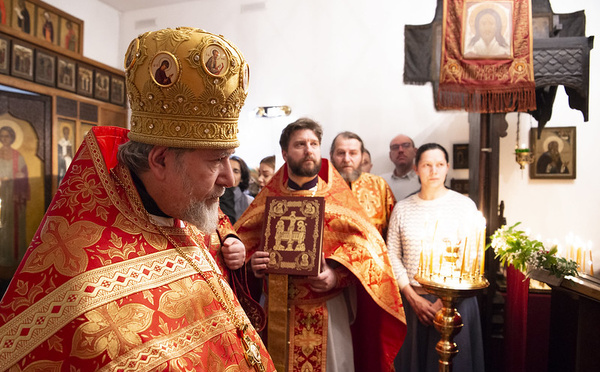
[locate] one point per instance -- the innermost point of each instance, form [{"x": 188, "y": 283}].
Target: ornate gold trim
[
  {"x": 153, "y": 353},
  {"x": 94, "y": 288}
]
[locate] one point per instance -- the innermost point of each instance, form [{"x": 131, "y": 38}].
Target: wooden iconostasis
[{"x": 50, "y": 97}]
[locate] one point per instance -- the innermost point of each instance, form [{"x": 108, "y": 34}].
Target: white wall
[
  {"x": 341, "y": 63},
  {"x": 100, "y": 28},
  {"x": 551, "y": 208}
]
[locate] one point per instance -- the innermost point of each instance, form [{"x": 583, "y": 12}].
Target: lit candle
[
  {"x": 462, "y": 266},
  {"x": 589, "y": 249},
  {"x": 421, "y": 260},
  {"x": 432, "y": 244},
  {"x": 481, "y": 271},
  {"x": 477, "y": 240},
  {"x": 475, "y": 260},
  {"x": 579, "y": 258},
  {"x": 482, "y": 260},
  {"x": 571, "y": 254},
  {"x": 431, "y": 261},
  {"x": 434, "y": 231}
]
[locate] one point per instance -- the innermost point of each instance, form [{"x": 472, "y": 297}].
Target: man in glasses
[{"x": 402, "y": 180}]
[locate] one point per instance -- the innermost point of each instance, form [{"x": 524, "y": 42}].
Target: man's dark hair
[
  {"x": 347, "y": 135},
  {"x": 300, "y": 124}
]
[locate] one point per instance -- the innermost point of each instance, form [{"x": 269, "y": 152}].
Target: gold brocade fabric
[
  {"x": 352, "y": 241},
  {"x": 376, "y": 197},
  {"x": 278, "y": 320},
  {"x": 101, "y": 289}
]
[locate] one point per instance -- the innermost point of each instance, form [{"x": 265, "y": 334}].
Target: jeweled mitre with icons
[{"x": 186, "y": 88}]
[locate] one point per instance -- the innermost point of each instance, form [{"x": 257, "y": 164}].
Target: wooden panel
[
  {"x": 113, "y": 117},
  {"x": 88, "y": 112},
  {"x": 66, "y": 107}
]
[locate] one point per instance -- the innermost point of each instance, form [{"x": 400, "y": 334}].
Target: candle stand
[{"x": 447, "y": 320}]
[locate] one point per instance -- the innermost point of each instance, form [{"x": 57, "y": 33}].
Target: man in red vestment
[
  {"x": 373, "y": 193},
  {"x": 119, "y": 275},
  {"x": 375, "y": 196},
  {"x": 321, "y": 308}
]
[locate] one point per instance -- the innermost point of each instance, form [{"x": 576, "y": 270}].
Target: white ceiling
[{"x": 128, "y": 5}]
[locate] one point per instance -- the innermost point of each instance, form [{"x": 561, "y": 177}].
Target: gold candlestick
[{"x": 447, "y": 320}]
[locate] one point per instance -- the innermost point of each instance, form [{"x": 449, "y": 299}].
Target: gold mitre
[{"x": 186, "y": 88}]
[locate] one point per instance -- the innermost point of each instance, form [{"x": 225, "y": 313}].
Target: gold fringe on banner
[{"x": 522, "y": 99}]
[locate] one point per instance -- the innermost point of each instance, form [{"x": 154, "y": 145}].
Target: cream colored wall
[
  {"x": 101, "y": 29},
  {"x": 553, "y": 209},
  {"x": 341, "y": 63}
]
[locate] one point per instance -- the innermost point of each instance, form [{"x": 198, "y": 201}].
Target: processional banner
[{"x": 487, "y": 56}]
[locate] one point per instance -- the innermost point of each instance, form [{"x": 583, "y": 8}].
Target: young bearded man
[{"x": 318, "y": 335}]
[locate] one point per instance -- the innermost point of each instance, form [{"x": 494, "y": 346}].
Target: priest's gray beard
[
  {"x": 204, "y": 214},
  {"x": 351, "y": 176}
]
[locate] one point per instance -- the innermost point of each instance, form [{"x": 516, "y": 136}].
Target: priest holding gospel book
[
  {"x": 312, "y": 320},
  {"x": 293, "y": 234}
]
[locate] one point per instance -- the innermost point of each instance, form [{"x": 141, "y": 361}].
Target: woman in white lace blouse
[{"x": 414, "y": 220}]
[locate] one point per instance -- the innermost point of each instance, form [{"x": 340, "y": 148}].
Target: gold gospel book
[{"x": 293, "y": 234}]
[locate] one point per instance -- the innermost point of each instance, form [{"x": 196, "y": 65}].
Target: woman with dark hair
[
  {"x": 433, "y": 215},
  {"x": 238, "y": 192}
]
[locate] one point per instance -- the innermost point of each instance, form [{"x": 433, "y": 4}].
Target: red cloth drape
[
  {"x": 515, "y": 320},
  {"x": 487, "y": 56}
]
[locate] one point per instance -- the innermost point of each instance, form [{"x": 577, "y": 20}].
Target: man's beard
[
  {"x": 204, "y": 214},
  {"x": 205, "y": 217},
  {"x": 352, "y": 175},
  {"x": 298, "y": 168}
]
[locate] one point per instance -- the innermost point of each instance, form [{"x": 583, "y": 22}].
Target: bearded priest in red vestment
[
  {"x": 119, "y": 276},
  {"x": 321, "y": 308},
  {"x": 371, "y": 191}
]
